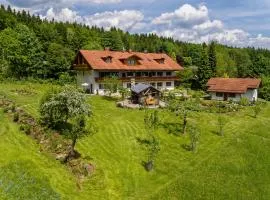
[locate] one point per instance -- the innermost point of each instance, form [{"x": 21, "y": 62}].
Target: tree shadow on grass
[
  {"x": 216, "y": 133},
  {"x": 187, "y": 147},
  {"x": 143, "y": 141},
  {"x": 148, "y": 166},
  {"x": 108, "y": 98},
  {"x": 173, "y": 128}
]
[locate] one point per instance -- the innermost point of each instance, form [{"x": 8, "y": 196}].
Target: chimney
[
  {"x": 145, "y": 51},
  {"x": 130, "y": 50},
  {"x": 107, "y": 48}
]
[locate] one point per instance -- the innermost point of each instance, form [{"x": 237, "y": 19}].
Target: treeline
[{"x": 38, "y": 48}]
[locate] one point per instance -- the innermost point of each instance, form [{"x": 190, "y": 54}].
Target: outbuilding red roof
[
  {"x": 232, "y": 85},
  {"x": 146, "y": 61}
]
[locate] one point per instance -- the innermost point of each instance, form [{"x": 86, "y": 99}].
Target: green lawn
[{"x": 236, "y": 166}]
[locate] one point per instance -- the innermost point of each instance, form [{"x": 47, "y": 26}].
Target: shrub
[
  {"x": 26, "y": 128},
  {"x": 244, "y": 101},
  {"x": 13, "y": 108},
  {"x": 257, "y": 109},
  {"x": 65, "y": 78},
  {"x": 6, "y": 109},
  {"x": 16, "y": 117}
]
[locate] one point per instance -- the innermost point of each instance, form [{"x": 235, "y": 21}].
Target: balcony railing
[{"x": 141, "y": 78}]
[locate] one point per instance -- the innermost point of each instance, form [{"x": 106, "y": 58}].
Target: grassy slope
[{"x": 232, "y": 167}]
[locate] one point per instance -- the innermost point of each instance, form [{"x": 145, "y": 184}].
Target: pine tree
[
  {"x": 112, "y": 39},
  {"x": 204, "y": 70},
  {"x": 212, "y": 58},
  {"x": 117, "y": 43}
]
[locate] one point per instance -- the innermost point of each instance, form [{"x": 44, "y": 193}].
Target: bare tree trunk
[
  {"x": 185, "y": 123},
  {"x": 71, "y": 152}
]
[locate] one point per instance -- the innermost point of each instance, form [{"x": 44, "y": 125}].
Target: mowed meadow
[{"x": 235, "y": 166}]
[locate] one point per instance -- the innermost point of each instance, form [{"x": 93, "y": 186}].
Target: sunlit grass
[{"x": 236, "y": 166}]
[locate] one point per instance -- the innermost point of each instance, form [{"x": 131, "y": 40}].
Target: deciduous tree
[
  {"x": 151, "y": 122},
  {"x": 66, "y": 110}
]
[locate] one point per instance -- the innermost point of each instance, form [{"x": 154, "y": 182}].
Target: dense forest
[{"x": 38, "y": 48}]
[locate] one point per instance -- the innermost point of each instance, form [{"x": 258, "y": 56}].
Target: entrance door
[{"x": 225, "y": 96}]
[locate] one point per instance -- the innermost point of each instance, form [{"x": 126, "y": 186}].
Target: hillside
[{"x": 235, "y": 166}]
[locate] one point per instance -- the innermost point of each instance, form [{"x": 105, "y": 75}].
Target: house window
[
  {"x": 101, "y": 86},
  {"x": 168, "y": 84},
  {"x": 153, "y": 84},
  {"x": 131, "y": 62},
  {"x": 138, "y": 74},
  {"x": 123, "y": 75},
  {"x": 145, "y": 74},
  {"x": 151, "y": 74},
  {"x": 159, "y": 73},
  {"x": 159, "y": 84},
  {"x": 168, "y": 73},
  {"x": 130, "y": 74},
  {"x": 160, "y": 61},
  {"x": 108, "y": 60},
  {"x": 232, "y": 95},
  {"x": 219, "y": 94},
  {"x": 128, "y": 85}
]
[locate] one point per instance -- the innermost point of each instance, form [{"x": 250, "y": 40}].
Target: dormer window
[
  {"x": 107, "y": 59},
  {"x": 131, "y": 62},
  {"x": 160, "y": 61}
]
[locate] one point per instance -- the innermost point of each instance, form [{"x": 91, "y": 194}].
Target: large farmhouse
[
  {"x": 233, "y": 88},
  {"x": 156, "y": 69}
]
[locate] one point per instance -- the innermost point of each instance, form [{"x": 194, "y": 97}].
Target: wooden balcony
[
  {"x": 144, "y": 79},
  {"x": 80, "y": 67}
]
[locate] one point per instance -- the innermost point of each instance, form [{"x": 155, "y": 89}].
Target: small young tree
[
  {"x": 221, "y": 124},
  {"x": 151, "y": 121},
  {"x": 221, "y": 120},
  {"x": 182, "y": 108},
  {"x": 111, "y": 84},
  {"x": 124, "y": 93},
  {"x": 194, "y": 135},
  {"x": 153, "y": 149},
  {"x": 256, "y": 109}
]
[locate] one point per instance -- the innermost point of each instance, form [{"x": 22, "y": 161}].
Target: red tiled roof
[
  {"x": 232, "y": 85},
  {"x": 146, "y": 61}
]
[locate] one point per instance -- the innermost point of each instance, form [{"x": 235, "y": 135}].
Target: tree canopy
[{"x": 38, "y": 48}]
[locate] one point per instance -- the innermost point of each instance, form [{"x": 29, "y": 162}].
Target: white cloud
[
  {"x": 185, "y": 15},
  {"x": 192, "y": 24},
  {"x": 31, "y": 3},
  {"x": 65, "y": 14},
  {"x": 209, "y": 26},
  {"x": 260, "y": 41},
  {"x": 125, "y": 19}
]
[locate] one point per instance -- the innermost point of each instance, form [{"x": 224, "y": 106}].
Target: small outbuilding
[
  {"x": 234, "y": 89},
  {"x": 145, "y": 94}
]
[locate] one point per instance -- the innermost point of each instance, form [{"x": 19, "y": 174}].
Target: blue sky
[{"x": 232, "y": 22}]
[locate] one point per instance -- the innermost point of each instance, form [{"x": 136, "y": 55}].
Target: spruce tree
[
  {"x": 117, "y": 43},
  {"x": 204, "y": 70},
  {"x": 113, "y": 40},
  {"x": 212, "y": 58}
]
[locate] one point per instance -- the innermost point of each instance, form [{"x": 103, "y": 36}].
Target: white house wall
[
  {"x": 251, "y": 95},
  {"x": 214, "y": 97},
  {"x": 89, "y": 77}
]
